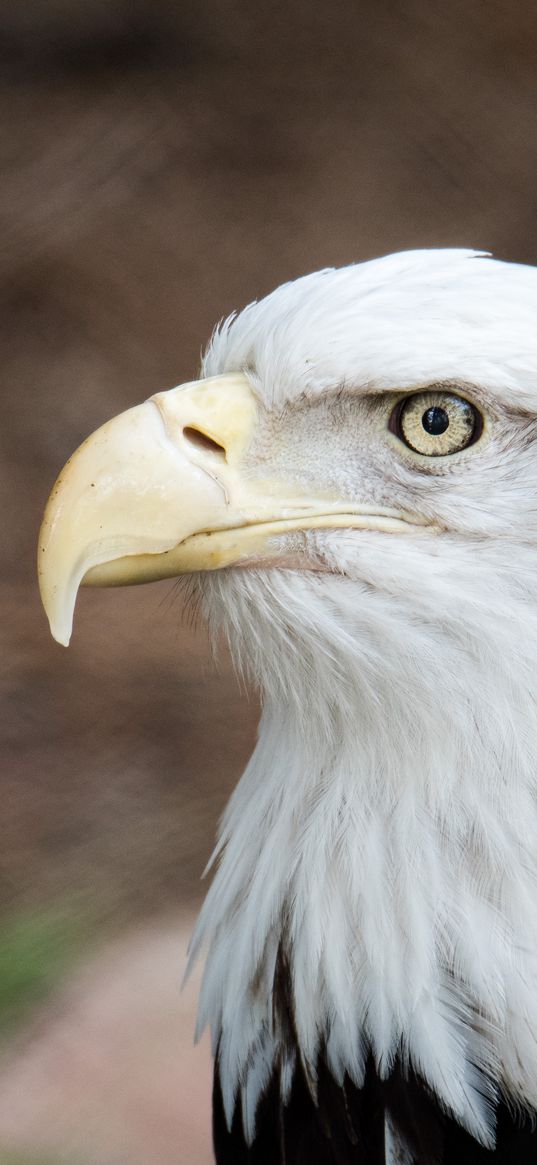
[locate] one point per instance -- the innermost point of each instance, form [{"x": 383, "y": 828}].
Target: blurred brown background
[{"x": 164, "y": 163}]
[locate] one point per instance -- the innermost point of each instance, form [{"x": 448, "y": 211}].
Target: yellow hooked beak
[{"x": 161, "y": 490}]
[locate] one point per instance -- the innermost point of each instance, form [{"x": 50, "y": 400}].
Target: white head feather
[{"x": 384, "y": 832}]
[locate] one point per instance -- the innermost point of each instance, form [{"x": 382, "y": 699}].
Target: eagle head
[{"x": 351, "y": 489}]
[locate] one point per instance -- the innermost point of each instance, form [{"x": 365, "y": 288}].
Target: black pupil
[{"x": 435, "y": 421}]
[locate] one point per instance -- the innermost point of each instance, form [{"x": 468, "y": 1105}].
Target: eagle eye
[{"x": 436, "y": 423}]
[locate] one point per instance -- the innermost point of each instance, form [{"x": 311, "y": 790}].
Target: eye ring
[{"x": 436, "y": 422}]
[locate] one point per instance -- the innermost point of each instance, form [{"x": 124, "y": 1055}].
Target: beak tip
[
  {"x": 61, "y": 631},
  {"x": 63, "y": 640},
  {"x": 59, "y": 615}
]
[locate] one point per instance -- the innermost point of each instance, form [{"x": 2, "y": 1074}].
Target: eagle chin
[{"x": 350, "y": 489}]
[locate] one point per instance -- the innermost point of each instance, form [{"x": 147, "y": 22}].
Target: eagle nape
[{"x": 351, "y": 485}]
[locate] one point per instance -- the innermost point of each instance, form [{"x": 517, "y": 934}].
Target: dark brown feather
[
  {"x": 340, "y": 1124},
  {"x": 345, "y": 1126}
]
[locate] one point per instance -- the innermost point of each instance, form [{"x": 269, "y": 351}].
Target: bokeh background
[{"x": 163, "y": 162}]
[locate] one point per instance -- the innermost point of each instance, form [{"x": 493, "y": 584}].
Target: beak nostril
[{"x": 202, "y": 441}]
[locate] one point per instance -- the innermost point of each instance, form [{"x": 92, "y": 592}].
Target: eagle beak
[
  {"x": 161, "y": 490},
  {"x": 154, "y": 493},
  {"x": 140, "y": 486}
]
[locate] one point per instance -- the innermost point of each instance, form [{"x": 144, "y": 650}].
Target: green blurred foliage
[{"x": 35, "y": 952}]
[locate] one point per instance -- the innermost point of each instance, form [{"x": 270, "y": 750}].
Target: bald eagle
[{"x": 351, "y": 487}]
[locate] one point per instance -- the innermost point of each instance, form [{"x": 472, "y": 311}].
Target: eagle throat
[{"x": 375, "y": 844}]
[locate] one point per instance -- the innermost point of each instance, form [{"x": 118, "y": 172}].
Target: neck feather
[{"x": 381, "y": 841}]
